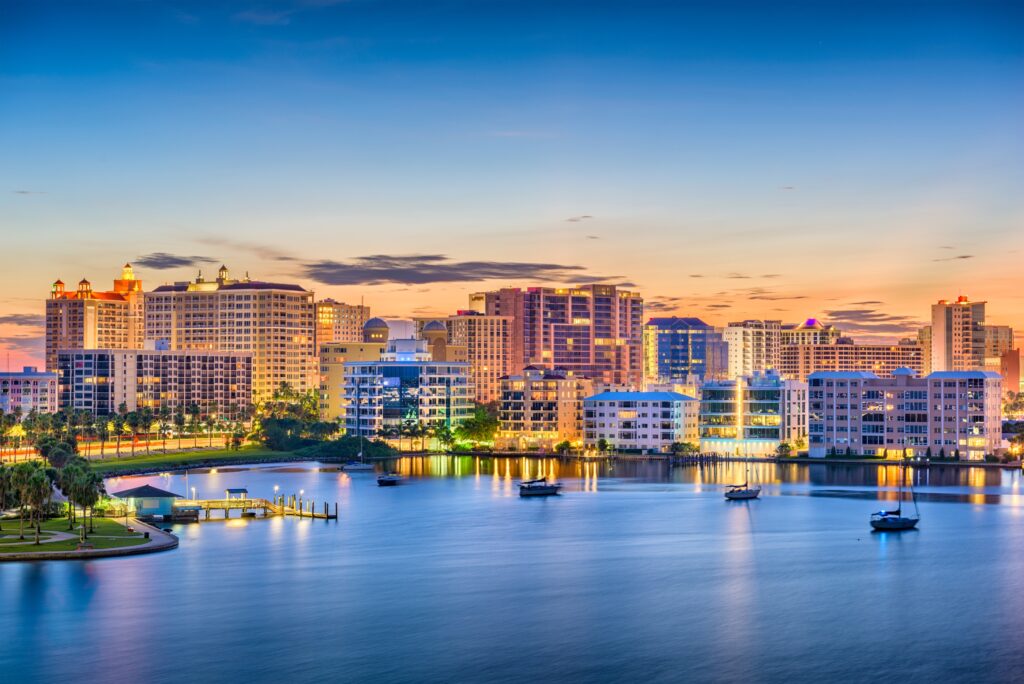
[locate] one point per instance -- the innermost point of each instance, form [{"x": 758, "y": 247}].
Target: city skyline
[{"x": 851, "y": 164}]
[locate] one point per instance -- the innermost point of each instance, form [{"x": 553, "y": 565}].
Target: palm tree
[
  {"x": 5, "y": 484},
  {"x": 20, "y": 478},
  {"x": 38, "y": 490},
  {"x": 210, "y": 422},
  {"x": 193, "y": 423},
  {"x": 163, "y": 421},
  {"x": 179, "y": 424}
]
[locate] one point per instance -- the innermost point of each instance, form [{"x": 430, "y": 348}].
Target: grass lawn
[
  {"x": 108, "y": 534},
  {"x": 160, "y": 461}
]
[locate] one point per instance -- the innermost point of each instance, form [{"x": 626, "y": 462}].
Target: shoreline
[
  {"x": 291, "y": 457},
  {"x": 158, "y": 541}
]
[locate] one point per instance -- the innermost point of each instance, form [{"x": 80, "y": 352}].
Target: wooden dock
[{"x": 286, "y": 506}]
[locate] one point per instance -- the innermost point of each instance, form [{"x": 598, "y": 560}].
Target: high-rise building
[
  {"x": 641, "y": 422},
  {"x": 800, "y": 360},
  {"x": 541, "y": 408},
  {"x": 677, "y": 348},
  {"x": 924, "y": 338},
  {"x": 752, "y": 415},
  {"x": 487, "y": 341},
  {"x": 100, "y": 381},
  {"x": 27, "y": 391},
  {"x": 811, "y": 331},
  {"x": 340, "y": 322},
  {"x": 90, "y": 319},
  {"x": 754, "y": 346},
  {"x": 405, "y": 385},
  {"x": 333, "y": 357},
  {"x": 590, "y": 330},
  {"x": 958, "y": 335},
  {"x": 950, "y": 414},
  {"x": 274, "y": 322}
]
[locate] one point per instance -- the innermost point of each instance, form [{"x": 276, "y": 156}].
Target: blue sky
[{"x": 732, "y": 159}]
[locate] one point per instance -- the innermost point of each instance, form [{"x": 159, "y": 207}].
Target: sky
[{"x": 850, "y": 161}]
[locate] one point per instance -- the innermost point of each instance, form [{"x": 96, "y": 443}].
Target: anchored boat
[
  {"x": 389, "y": 480},
  {"x": 539, "y": 487},
  {"x": 895, "y": 521},
  {"x": 743, "y": 492}
]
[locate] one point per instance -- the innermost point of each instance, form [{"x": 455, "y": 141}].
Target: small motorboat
[
  {"x": 357, "y": 467},
  {"x": 539, "y": 487},
  {"x": 741, "y": 492},
  {"x": 389, "y": 480}
]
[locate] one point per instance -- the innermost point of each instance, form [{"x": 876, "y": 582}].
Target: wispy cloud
[
  {"x": 958, "y": 257},
  {"x": 419, "y": 269},
  {"x": 25, "y": 320},
  {"x": 29, "y": 192},
  {"x": 267, "y": 252},
  {"x": 577, "y": 219},
  {"x": 163, "y": 260},
  {"x": 872, "y": 321}
]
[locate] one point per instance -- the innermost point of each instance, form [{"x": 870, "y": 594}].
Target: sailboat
[
  {"x": 743, "y": 492},
  {"x": 895, "y": 521},
  {"x": 360, "y": 465}
]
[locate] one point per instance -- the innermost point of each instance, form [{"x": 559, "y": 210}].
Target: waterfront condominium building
[
  {"x": 405, "y": 386},
  {"x": 333, "y": 357},
  {"x": 487, "y": 341},
  {"x": 642, "y": 422},
  {"x": 958, "y": 335},
  {"x": 100, "y": 381},
  {"x": 85, "y": 318},
  {"x": 948, "y": 414},
  {"x": 340, "y": 322},
  {"x": 752, "y": 415},
  {"x": 811, "y": 331},
  {"x": 1001, "y": 357},
  {"x": 541, "y": 408},
  {"x": 27, "y": 391},
  {"x": 677, "y": 348},
  {"x": 273, "y": 322},
  {"x": 800, "y": 360},
  {"x": 590, "y": 330},
  {"x": 753, "y": 346}
]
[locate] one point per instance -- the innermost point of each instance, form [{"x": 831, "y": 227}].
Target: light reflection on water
[{"x": 638, "y": 571}]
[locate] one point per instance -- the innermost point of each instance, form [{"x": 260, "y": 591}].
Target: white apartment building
[
  {"x": 754, "y": 346},
  {"x": 951, "y": 414},
  {"x": 29, "y": 390},
  {"x": 641, "y": 422}
]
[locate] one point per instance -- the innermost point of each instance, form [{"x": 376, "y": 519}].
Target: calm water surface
[{"x": 637, "y": 572}]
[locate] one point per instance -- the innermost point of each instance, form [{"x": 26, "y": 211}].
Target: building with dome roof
[{"x": 85, "y": 318}]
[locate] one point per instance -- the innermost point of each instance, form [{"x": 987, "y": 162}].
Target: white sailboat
[
  {"x": 895, "y": 521},
  {"x": 743, "y": 492}
]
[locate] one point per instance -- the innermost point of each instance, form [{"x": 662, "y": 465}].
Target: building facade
[
  {"x": 641, "y": 422},
  {"x": 754, "y": 346},
  {"x": 811, "y": 331},
  {"x": 85, "y": 318},
  {"x": 333, "y": 357},
  {"x": 539, "y": 409},
  {"x": 100, "y": 381},
  {"x": 800, "y": 360},
  {"x": 753, "y": 415},
  {"x": 958, "y": 335},
  {"x": 27, "y": 391},
  {"x": 948, "y": 414},
  {"x": 675, "y": 349},
  {"x": 340, "y": 322},
  {"x": 590, "y": 330},
  {"x": 487, "y": 341},
  {"x": 275, "y": 323},
  {"x": 405, "y": 386}
]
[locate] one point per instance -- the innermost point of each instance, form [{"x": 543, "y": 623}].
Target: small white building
[{"x": 639, "y": 421}]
